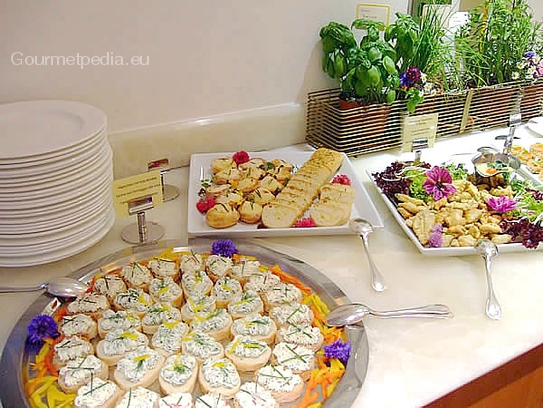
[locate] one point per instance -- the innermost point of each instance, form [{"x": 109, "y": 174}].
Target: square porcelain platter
[
  {"x": 450, "y": 251},
  {"x": 200, "y": 169}
]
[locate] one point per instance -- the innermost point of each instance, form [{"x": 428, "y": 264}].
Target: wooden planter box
[{"x": 366, "y": 129}]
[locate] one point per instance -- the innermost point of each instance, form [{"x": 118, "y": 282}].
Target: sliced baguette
[
  {"x": 150, "y": 375},
  {"x": 81, "y": 366},
  {"x": 238, "y": 346},
  {"x": 330, "y": 213},
  {"x": 108, "y": 401},
  {"x": 172, "y": 363},
  {"x": 277, "y": 215},
  {"x": 223, "y": 365}
]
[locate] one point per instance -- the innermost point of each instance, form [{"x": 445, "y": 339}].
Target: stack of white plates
[{"x": 55, "y": 181}]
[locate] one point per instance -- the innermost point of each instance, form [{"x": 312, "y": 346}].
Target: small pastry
[
  {"x": 243, "y": 270},
  {"x": 261, "y": 196},
  {"x": 247, "y": 353},
  {"x": 69, "y": 349},
  {"x": 281, "y": 294},
  {"x": 162, "y": 268},
  {"x": 295, "y": 313},
  {"x": 216, "y": 324},
  {"x": 80, "y": 371},
  {"x": 248, "y": 184},
  {"x": 253, "y": 172},
  {"x": 211, "y": 400},
  {"x": 165, "y": 290},
  {"x": 139, "y": 397},
  {"x": 227, "y": 176},
  {"x": 118, "y": 343},
  {"x": 191, "y": 262},
  {"x": 222, "y": 163},
  {"x": 201, "y": 303},
  {"x": 158, "y": 314},
  {"x": 252, "y": 395},
  {"x": 256, "y": 162},
  {"x": 98, "y": 393},
  {"x": 262, "y": 282},
  {"x": 271, "y": 184},
  {"x": 121, "y": 319},
  {"x": 202, "y": 347},
  {"x": 250, "y": 212},
  {"x": 79, "y": 324},
  {"x": 303, "y": 335},
  {"x": 297, "y": 358},
  {"x": 196, "y": 283},
  {"x": 219, "y": 376},
  {"x": 284, "y": 385},
  {"x": 135, "y": 301},
  {"x": 218, "y": 266},
  {"x": 224, "y": 290},
  {"x": 138, "y": 368},
  {"x": 255, "y": 325},
  {"x": 244, "y": 304},
  {"x": 167, "y": 339},
  {"x": 92, "y": 304},
  {"x": 178, "y": 374},
  {"x": 216, "y": 190},
  {"x": 222, "y": 216},
  {"x": 176, "y": 400},
  {"x": 137, "y": 276},
  {"x": 109, "y": 285},
  {"x": 231, "y": 198}
]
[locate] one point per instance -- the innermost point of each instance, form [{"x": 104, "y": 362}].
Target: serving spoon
[
  {"x": 488, "y": 250},
  {"x": 59, "y": 286},
  {"x": 363, "y": 228},
  {"x": 354, "y": 312}
]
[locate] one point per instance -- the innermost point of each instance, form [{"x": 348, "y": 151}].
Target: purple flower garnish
[
  {"x": 410, "y": 77},
  {"x": 41, "y": 327},
  {"x": 529, "y": 54},
  {"x": 502, "y": 204},
  {"x": 436, "y": 237},
  {"x": 438, "y": 183},
  {"x": 224, "y": 247},
  {"x": 338, "y": 349}
]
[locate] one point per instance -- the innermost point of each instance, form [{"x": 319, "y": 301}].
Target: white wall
[{"x": 206, "y": 57}]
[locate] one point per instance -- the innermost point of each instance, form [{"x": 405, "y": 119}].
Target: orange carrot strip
[
  {"x": 276, "y": 269},
  {"x": 307, "y": 400}
]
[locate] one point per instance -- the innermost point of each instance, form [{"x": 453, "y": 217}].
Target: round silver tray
[{"x": 14, "y": 370}]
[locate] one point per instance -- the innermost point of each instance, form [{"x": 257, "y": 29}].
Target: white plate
[
  {"x": 459, "y": 251},
  {"x": 34, "y": 128},
  {"x": 77, "y": 246},
  {"x": 200, "y": 169},
  {"x": 536, "y": 125}
]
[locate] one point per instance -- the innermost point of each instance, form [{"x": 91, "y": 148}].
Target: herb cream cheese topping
[
  {"x": 262, "y": 282},
  {"x": 88, "y": 303},
  {"x": 169, "y": 336},
  {"x": 119, "y": 320},
  {"x": 118, "y": 341},
  {"x": 294, "y": 313},
  {"x": 110, "y": 285},
  {"x": 211, "y": 400},
  {"x": 304, "y": 335},
  {"x": 283, "y": 293},
  {"x": 253, "y": 325},
  {"x": 165, "y": 289},
  {"x": 246, "y": 346},
  {"x": 220, "y": 373},
  {"x": 139, "y": 398},
  {"x": 294, "y": 356},
  {"x": 178, "y": 369},
  {"x": 201, "y": 345},
  {"x": 196, "y": 283},
  {"x": 191, "y": 263},
  {"x": 134, "y": 299},
  {"x": 137, "y": 363},
  {"x": 137, "y": 274},
  {"x": 176, "y": 400},
  {"x": 80, "y": 370},
  {"x": 160, "y": 313},
  {"x": 225, "y": 288},
  {"x": 71, "y": 348},
  {"x": 218, "y": 265},
  {"x": 199, "y": 304},
  {"x": 246, "y": 269},
  {"x": 95, "y": 394},
  {"x": 76, "y": 324},
  {"x": 246, "y": 302},
  {"x": 208, "y": 322},
  {"x": 163, "y": 267},
  {"x": 277, "y": 378},
  {"x": 252, "y": 395}
]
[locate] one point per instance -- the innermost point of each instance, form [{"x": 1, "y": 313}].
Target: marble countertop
[{"x": 411, "y": 361}]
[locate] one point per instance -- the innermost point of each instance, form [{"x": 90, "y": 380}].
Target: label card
[
  {"x": 127, "y": 191},
  {"x": 418, "y": 128},
  {"x": 374, "y": 12}
]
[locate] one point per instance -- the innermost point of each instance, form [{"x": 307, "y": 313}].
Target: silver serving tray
[{"x": 14, "y": 370}]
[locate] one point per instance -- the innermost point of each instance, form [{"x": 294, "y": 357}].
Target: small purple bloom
[
  {"x": 338, "y": 349},
  {"x": 224, "y": 247},
  {"x": 410, "y": 77},
  {"x": 438, "y": 183},
  {"x": 41, "y": 327},
  {"x": 502, "y": 204},
  {"x": 529, "y": 54}
]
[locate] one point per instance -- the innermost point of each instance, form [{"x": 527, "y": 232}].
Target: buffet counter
[{"x": 411, "y": 361}]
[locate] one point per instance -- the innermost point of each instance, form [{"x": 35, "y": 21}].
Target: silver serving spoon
[
  {"x": 354, "y": 312},
  {"x": 488, "y": 250},
  {"x": 58, "y": 286},
  {"x": 363, "y": 228}
]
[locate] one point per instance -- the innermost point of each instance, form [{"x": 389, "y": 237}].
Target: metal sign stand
[
  {"x": 142, "y": 232},
  {"x": 169, "y": 192}
]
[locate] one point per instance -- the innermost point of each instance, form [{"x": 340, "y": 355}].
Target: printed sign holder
[{"x": 142, "y": 232}]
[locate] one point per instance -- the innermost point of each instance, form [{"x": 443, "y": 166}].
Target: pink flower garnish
[
  {"x": 342, "y": 179},
  {"x": 436, "y": 237},
  {"x": 305, "y": 223},
  {"x": 205, "y": 204},
  {"x": 438, "y": 183},
  {"x": 502, "y": 204},
  {"x": 241, "y": 157}
]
